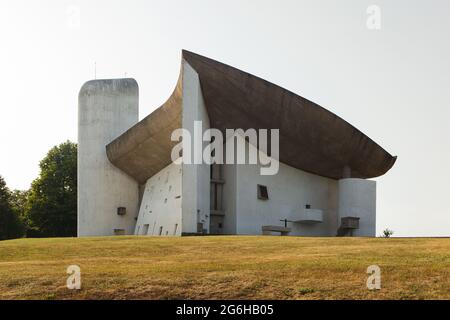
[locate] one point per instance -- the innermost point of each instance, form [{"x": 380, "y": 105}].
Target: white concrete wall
[
  {"x": 289, "y": 191},
  {"x": 161, "y": 204},
  {"x": 357, "y": 198},
  {"x": 196, "y": 177},
  {"x": 106, "y": 109}
]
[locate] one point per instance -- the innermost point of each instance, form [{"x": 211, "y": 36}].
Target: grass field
[{"x": 225, "y": 267}]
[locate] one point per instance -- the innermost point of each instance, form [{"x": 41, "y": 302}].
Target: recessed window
[
  {"x": 145, "y": 229},
  {"x": 119, "y": 232},
  {"x": 262, "y": 192},
  {"x": 121, "y": 211},
  {"x": 167, "y": 177}
]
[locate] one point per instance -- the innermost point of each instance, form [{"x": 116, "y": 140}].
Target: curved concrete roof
[{"x": 312, "y": 138}]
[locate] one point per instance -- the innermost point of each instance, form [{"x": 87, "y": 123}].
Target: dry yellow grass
[{"x": 225, "y": 267}]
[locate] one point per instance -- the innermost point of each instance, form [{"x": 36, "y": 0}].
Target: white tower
[
  {"x": 357, "y": 199},
  {"x": 107, "y": 197}
]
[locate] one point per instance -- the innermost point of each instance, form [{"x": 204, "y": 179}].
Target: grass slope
[{"x": 225, "y": 267}]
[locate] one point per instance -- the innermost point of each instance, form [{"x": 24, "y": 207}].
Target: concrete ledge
[{"x": 267, "y": 230}]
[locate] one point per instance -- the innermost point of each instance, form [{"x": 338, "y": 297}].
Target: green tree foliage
[
  {"x": 51, "y": 208},
  {"x": 18, "y": 202},
  {"x": 10, "y": 223}
]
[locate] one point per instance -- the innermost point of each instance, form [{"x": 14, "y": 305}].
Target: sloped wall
[{"x": 160, "y": 211}]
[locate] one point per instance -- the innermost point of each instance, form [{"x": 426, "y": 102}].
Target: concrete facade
[
  {"x": 289, "y": 192},
  {"x": 160, "y": 211},
  {"x": 196, "y": 177},
  {"x": 163, "y": 210},
  {"x": 128, "y": 184}
]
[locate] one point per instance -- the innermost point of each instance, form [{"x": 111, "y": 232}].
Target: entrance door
[{"x": 216, "y": 224}]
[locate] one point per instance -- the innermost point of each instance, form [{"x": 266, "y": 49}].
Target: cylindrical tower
[
  {"x": 357, "y": 199},
  {"x": 107, "y": 197}
]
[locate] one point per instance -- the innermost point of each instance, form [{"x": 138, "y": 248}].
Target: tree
[
  {"x": 18, "y": 202},
  {"x": 10, "y": 224},
  {"x": 51, "y": 207}
]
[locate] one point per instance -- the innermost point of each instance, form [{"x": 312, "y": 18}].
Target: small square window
[
  {"x": 121, "y": 211},
  {"x": 262, "y": 192}
]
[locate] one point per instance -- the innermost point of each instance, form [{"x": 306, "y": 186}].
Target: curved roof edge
[
  {"x": 144, "y": 149},
  {"x": 312, "y": 138}
]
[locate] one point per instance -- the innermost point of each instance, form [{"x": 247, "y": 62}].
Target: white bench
[{"x": 267, "y": 230}]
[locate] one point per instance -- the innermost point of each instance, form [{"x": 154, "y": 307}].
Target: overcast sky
[{"x": 392, "y": 83}]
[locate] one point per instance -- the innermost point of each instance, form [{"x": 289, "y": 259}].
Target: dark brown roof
[{"x": 312, "y": 138}]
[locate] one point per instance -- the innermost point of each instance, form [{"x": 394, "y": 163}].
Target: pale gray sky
[{"x": 393, "y": 83}]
